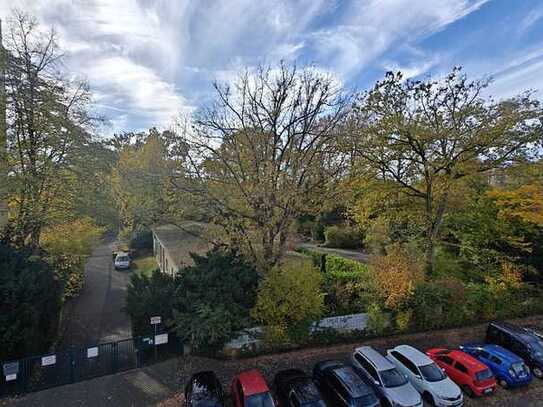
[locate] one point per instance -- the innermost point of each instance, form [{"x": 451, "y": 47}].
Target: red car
[
  {"x": 474, "y": 377},
  {"x": 249, "y": 389}
]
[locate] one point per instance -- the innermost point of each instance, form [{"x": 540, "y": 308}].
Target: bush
[
  {"x": 213, "y": 298},
  {"x": 348, "y": 285},
  {"x": 30, "y": 301},
  {"x": 396, "y": 275},
  {"x": 342, "y": 237},
  {"x": 289, "y": 299},
  {"x": 67, "y": 246},
  {"x": 142, "y": 240},
  {"x": 377, "y": 319},
  {"x": 149, "y": 296}
]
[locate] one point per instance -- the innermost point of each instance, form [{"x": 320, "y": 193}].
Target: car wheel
[
  {"x": 468, "y": 390},
  {"x": 538, "y": 372},
  {"x": 503, "y": 383},
  {"x": 427, "y": 397}
]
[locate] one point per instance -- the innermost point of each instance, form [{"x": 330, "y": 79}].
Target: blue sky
[{"x": 147, "y": 61}]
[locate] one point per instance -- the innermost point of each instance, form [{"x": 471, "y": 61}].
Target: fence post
[
  {"x": 114, "y": 356},
  {"x": 72, "y": 365}
]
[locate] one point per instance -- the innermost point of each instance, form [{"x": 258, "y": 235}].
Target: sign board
[
  {"x": 48, "y": 360},
  {"x": 92, "y": 352},
  {"x": 155, "y": 320},
  {"x": 160, "y": 339},
  {"x": 11, "y": 368}
]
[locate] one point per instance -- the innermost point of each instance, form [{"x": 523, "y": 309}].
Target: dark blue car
[{"x": 509, "y": 369}]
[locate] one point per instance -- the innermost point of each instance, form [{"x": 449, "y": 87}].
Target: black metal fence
[{"x": 77, "y": 364}]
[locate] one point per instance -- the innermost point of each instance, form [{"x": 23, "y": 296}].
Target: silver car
[
  {"x": 434, "y": 385},
  {"x": 391, "y": 386}
]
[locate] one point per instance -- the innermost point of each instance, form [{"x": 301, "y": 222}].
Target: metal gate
[{"x": 77, "y": 364}]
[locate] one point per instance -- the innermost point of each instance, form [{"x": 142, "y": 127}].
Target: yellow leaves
[
  {"x": 75, "y": 238},
  {"x": 524, "y": 203},
  {"x": 510, "y": 277},
  {"x": 396, "y": 275},
  {"x": 288, "y": 296}
]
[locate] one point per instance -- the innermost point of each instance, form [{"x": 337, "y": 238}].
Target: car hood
[
  {"x": 406, "y": 395},
  {"x": 445, "y": 388}
]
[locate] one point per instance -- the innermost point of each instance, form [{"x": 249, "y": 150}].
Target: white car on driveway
[
  {"x": 122, "y": 261},
  {"x": 427, "y": 377}
]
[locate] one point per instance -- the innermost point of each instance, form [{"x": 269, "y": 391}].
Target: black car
[
  {"x": 293, "y": 388},
  {"x": 204, "y": 390},
  {"x": 341, "y": 386},
  {"x": 524, "y": 342}
]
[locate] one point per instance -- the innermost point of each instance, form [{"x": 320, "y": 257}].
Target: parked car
[
  {"x": 204, "y": 390},
  {"x": 473, "y": 376},
  {"x": 509, "y": 369},
  {"x": 341, "y": 386},
  {"x": 294, "y": 388},
  {"x": 249, "y": 389},
  {"x": 521, "y": 341},
  {"x": 425, "y": 376},
  {"x": 389, "y": 384},
  {"x": 122, "y": 261}
]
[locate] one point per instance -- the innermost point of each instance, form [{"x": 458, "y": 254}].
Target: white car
[
  {"x": 122, "y": 261},
  {"x": 427, "y": 377}
]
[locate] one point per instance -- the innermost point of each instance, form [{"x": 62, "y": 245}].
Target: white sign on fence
[
  {"x": 155, "y": 320},
  {"x": 11, "y": 377},
  {"x": 48, "y": 360},
  {"x": 160, "y": 339},
  {"x": 92, "y": 352}
]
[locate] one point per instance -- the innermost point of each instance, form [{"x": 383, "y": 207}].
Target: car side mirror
[
  {"x": 377, "y": 382},
  {"x": 418, "y": 376}
]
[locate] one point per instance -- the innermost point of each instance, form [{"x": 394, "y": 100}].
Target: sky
[{"x": 148, "y": 61}]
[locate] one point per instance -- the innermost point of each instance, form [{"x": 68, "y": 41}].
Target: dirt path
[{"x": 96, "y": 315}]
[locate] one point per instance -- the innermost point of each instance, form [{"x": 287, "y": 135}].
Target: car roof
[
  {"x": 414, "y": 355},
  {"x": 502, "y": 353},
  {"x": 351, "y": 380},
  {"x": 119, "y": 254},
  {"x": 305, "y": 389},
  {"x": 518, "y": 332},
  {"x": 379, "y": 361},
  {"x": 253, "y": 382},
  {"x": 467, "y": 360}
]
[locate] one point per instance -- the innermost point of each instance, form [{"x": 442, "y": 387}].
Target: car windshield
[
  {"x": 366, "y": 400},
  {"x": 122, "y": 258},
  {"x": 432, "y": 373},
  {"x": 484, "y": 375},
  {"x": 260, "y": 400},
  {"x": 392, "y": 378}
]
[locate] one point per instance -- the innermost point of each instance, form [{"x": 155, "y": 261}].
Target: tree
[
  {"x": 213, "y": 298},
  {"x": 30, "y": 300},
  {"x": 289, "y": 298},
  {"x": 46, "y": 120},
  {"x": 424, "y": 136},
  {"x": 263, "y": 154},
  {"x": 140, "y": 181}
]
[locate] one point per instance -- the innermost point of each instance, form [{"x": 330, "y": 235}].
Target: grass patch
[{"x": 145, "y": 265}]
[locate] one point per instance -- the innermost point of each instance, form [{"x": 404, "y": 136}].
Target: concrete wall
[{"x": 248, "y": 339}]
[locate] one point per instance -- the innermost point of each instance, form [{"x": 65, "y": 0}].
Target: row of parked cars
[{"x": 403, "y": 377}]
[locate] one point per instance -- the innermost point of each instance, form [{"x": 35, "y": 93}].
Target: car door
[
  {"x": 409, "y": 369},
  {"x": 462, "y": 372},
  {"x": 447, "y": 363},
  {"x": 368, "y": 373}
]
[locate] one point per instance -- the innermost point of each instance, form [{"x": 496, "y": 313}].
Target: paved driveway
[{"x": 96, "y": 314}]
